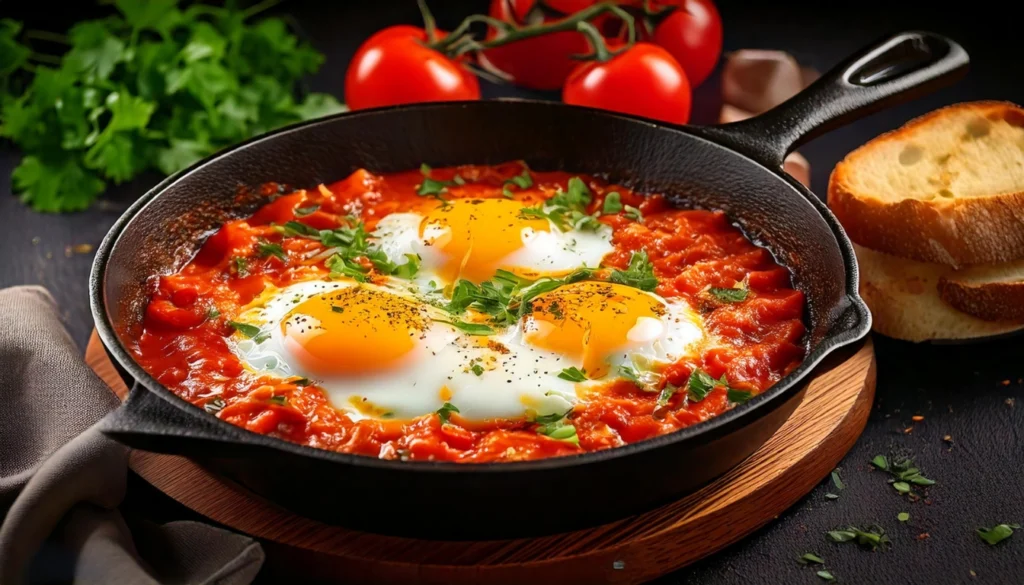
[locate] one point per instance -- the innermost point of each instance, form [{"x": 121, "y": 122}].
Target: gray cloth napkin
[{"x": 61, "y": 480}]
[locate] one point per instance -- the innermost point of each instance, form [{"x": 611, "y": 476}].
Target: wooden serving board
[{"x": 634, "y": 550}]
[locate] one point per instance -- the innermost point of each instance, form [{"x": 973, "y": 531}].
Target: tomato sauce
[{"x": 183, "y": 339}]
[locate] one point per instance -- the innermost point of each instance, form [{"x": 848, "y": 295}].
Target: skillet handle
[
  {"x": 146, "y": 421},
  {"x": 894, "y": 70}
]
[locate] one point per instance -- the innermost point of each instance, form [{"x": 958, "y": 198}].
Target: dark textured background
[{"x": 966, "y": 392}]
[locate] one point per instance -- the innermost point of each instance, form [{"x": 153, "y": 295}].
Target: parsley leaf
[
  {"x": 729, "y": 295},
  {"x": 903, "y": 474},
  {"x": 506, "y": 297},
  {"x": 409, "y": 269},
  {"x": 154, "y": 87},
  {"x": 566, "y": 209},
  {"x": 245, "y": 329},
  {"x": 633, "y": 213},
  {"x": 826, "y": 575},
  {"x": 612, "y": 203},
  {"x": 304, "y": 211},
  {"x": 279, "y": 400},
  {"x": 215, "y": 405},
  {"x": 639, "y": 273},
  {"x": 477, "y": 369},
  {"x": 872, "y": 538},
  {"x": 241, "y": 266},
  {"x": 557, "y": 427},
  {"x": 573, "y": 374},
  {"x": 445, "y": 412},
  {"x": 997, "y": 534},
  {"x": 522, "y": 180},
  {"x": 700, "y": 385},
  {"x": 666, "y": 394},
  {"x": 468, "y": 328},
  {"x": 266, "y": 249},
  {"x": 630, "y": 374},
  {"x": 808, "y": 558}
]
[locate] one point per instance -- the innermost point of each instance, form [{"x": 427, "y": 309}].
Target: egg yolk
[
  {"x": 476, "y": 235},
  {"x": 588, "y": 321},
  {"x": 353, "y": 330}
]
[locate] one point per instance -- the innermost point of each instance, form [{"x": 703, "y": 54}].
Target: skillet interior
[{"x": 401, "y": 497}]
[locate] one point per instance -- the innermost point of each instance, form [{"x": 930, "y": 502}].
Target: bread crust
[
  {"x": 905, "y": 303},
  {"x": 991, "y": 301},
  {"x": 955, "y": 232}
]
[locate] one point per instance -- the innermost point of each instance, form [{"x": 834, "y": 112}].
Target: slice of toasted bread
[
  {"x": 905, "y": 304},
  {"x": 994, "y": 292},
  {"x": 947, "y": 187}
]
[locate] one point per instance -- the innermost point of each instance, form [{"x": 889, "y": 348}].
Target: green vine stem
[
  {"x": 429, "y": 24},
  {"x": 454, "y": 44}
]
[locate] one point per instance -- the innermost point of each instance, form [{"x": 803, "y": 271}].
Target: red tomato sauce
[{"x": 182, "y": 342}]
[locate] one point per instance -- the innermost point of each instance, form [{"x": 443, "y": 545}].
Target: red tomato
[
  {"x": 644, "y": 81},
  {"x": 693, "y": 34},
  {"x": 395, "y": 67},
  {"x": 542, "y": 62}
]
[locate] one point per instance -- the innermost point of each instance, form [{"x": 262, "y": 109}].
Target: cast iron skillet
[{"x": 735, "y": 167}]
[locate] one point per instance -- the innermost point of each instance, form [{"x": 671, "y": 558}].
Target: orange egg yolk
[
  {"x": 588, "y": 321},
  {"x": 476, "y": 235},
  {"x": 353, "y": 330}
]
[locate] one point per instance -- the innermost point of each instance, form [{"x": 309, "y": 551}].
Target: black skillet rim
[{"x": 785, "y": 386}]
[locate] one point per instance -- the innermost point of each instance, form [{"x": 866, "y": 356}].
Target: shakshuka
[{"x": 472, "y": 314}]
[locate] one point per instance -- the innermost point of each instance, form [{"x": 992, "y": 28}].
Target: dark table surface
[{"x": 970, "y": 440}]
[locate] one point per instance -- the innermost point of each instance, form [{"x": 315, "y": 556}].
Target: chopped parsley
[
  {"x": 409, "y": 269},
  {"x": 245, "y": 329},
  {"x": 302, "y": 382},
  {"x": 215, "y": 405},
  {"x": 639, "y": 274},
  {"x": 826, "y": 575},
  {"x": 212, "y": 313},
  {"x": 468, "y": 328},
  {"x": 903, "y": 516},
  {"x": 997, "y": 534},
  {"x": 434, "y": 188},
  {"x": 903, "y": 474},
  {"x": 872, "y": 538},
  {"x": 809, "y": 558},
  {"x": 266, "y": 249},
  {"x": 730, "y": 295},
  {"x": 241, "y": 266},
  {"x": 477, "y": 369},
  {"x": 279, "y": 400},
  {"x": 445, "y": 412},
  {"x": 737, "y": 396},
  {"x": 297, "y": 228},
  {"x": 557, "y": 427},
  {"x": 337, "y": 309},
  {"x": 566, "y": 209},
  {"x": 633, "y": 213},
  {"x": 666, "y": 394},
  {"x": 701, "y": 384},
  {"x": 612, "y": 203},
  {"x": 837, "y": 481},
  {"x": 630, "y": 374},
  {"x": 523, "y": 180},
  {"x": 573, "y": 374},
  {"x": 506, "y": 297},
  {"x": 304, "y": 211}
]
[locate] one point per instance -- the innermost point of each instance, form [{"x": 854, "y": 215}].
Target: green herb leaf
[
  {"x": 639, "y": 273},
  {"x": 241, "y": 266},
  {"x": 902, "y": 487},
  {"x": 633, "y": 213},
  {"x": 432, "y": 188},
  {"x": 842, "y": 535},
  {"x": 826, "y": 575},
  {"x": 557, "y": 427},
  {"x": 612, "y": 203},
  {"x": 880, "y": 462},
  {"x": 870, "y": 538},
  {"x": 523, "y": 180},
  {"x": 573, "y": 374},
  {"x": 468, "y": 328},
  {"x": 997, "y": 534},
  {"x": 340, "y": 265},
  {"x": 302, "y": 382},
  {"x": 738, "y": 396},
  {"x": 299, "y": 229},
  {"x": 808, "y": 558},
  {"x": 477, "y": 369},
  {"x": 279, "y": 400},
  {"x": 630, "y": 374},
  {"x": 700, "y": 385},
  {"x": 903, "y": 516},
  {"x": 214, "y": 405},
  {"x": 837, "y": 481},
  {"x": 425, "y": 169},
  {"x": 666, "y": 394},
  {"x": 212, "y": 313},
  {"x": 268, "y": 249},
  {"x": 445, "y": 412},
  {"x": 304, "y": 211},
  {"x": 337, "y": 309},
  {"x": 729, "y": 295},
  {"x": 409, "y": 269},
  {"x": 250, "y": 331}
]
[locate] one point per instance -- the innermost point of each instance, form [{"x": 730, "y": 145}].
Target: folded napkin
[{"x": 61, "y": 480}]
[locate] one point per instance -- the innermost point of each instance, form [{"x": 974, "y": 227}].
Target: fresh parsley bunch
[{"x": 157, "y": 86}]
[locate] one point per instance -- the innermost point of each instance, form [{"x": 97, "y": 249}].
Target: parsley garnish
[
  {"x": 738, "y": 396},
  {"x": 555, "y": 426},
  {"x": 241, "y": 266},
  {"x": 826, "y": 575},
  {"x": 522, "y": 180},
  {"x": 154, "y": 86},
  {"x": 639, "y": 274},
  {"x": 612, "y": 203},
  {"x": 506, "y": 297},
  {"x": 477, "y": 369},
  {"x": 808, "y": 558},
  {"x": 445, "y": 412},
  {"x": 215, "y": 405},
  {"x": 903, "y": 474},
  {"x": 730, "y": 295},
  {"x": 279, "y": 400},
  {"x": 633, "y": 213},
  {"x": 434, "y": 188},
  {"x": 903, "y": 516},
  {"x": 245, "y": 329},
  {"x": 701, "y": 384},
  {"x": 630, "y": 374},
  {"x": 573, "y": 374},
  {"x": 997, "y": 534},
  {"x": 337, "y": 309},
  {"x": 304, "y": 211},
  {"x": 836, "y": 481},
  {"x": 212, "y": 313},
  {"x": 666, "y": 394},
  {"x": 268, "y": 249},
  {"x": 871, "y": 537},
  {"x": 409, "y": 269},
  {"x": 302, "y": 382},
  {"x": 566, "y": 209},
  {"x": 468, "y": 328},
  {"x": 297, "y": 228}
]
